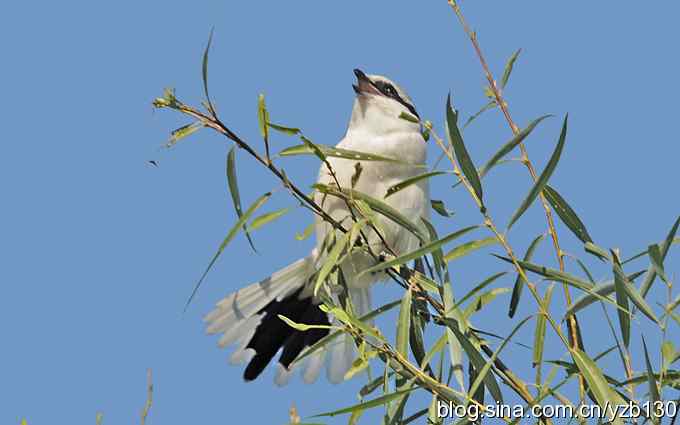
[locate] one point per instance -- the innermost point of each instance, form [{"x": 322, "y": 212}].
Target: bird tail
[{"x": 249, "y": 319}]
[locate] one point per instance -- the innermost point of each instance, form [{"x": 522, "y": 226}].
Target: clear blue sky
[{"x": 100, "y": 250}]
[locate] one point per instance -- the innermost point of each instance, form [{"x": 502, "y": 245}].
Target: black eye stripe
[{"x": 389, "y": 91}]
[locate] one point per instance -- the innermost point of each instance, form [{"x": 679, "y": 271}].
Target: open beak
[{"x": 364, "y": 84}]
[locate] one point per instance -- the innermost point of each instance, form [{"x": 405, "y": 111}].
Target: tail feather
[
  {"x": 242, "y": 304},
  {"x": 248, "y": 319}
]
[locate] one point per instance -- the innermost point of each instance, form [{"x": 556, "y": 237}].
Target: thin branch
[{"x": 572, "y": 321}]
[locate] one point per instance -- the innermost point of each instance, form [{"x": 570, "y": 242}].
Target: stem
[{"x": 572, "y": 323}]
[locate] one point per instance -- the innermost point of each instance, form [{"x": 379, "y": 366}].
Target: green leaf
[
  {"x": 604, "y": 394},
  {"x": 476, "y": 359},
  {"x": 232, "y": 233},
  {"x": 486, "y": 282},
  {"x": 440, "y": 208},
  {"x": 631, "y": 292},
  {"x": 267, "y": 218},
  {"x": 331, "y": 336},
  {"x": 436, "y": 348},
  {"x": 382, "y": 400},
  {"x": 263, "y": 117},
  {"x": 379, "y": 206},
  {"x": 455, "y": 349},
  {"x": 653, "y": 389},
  {"x": 481, "y": 376},
  {"x": 620, "y": 283},
  {"x": 291, "y": 131},
  {"x": 519, "y": 284},
  {"x": 427, "y": 283},
  {"x": 544, "y": 177},
  {"x": 598, "y": 292},
  {"x": 508, "y": 68},
  {"x": 232, "y": 181},
  {"x": 416, "y": 328},
  {"x": 305, "y": 233},
  {"x": 651, "y": 274},
  {"x": 551, "y": 274},
  {"x": 483, "y": 299},
  {"x": 599, "y": 252},
  {"x": 331, "y": 261},
  {"x": 469, "y": 247},
  {"x": 491, "y": 104},
  {"x": 404, "y": 324},
  {"x": 420, "y": 252},
  {"x": 408, "y": 117},
  {"x": 305, "y": 149},
  {"x": 509, "y": 146},
  {"x": 205, "y": 73},
  {"x": 539, "y": 334},
  {"x": 410, "y": 181},
  {"x": 456, "y": 140},
  {"x": 302, "y": 326},
  {"x": 657, "y": 261},
  {"x": 566, "y": 214},
  {"x": 182, "y": 132}
]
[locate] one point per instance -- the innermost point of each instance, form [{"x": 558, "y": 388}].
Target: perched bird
[{"x": 249, "y": 318}]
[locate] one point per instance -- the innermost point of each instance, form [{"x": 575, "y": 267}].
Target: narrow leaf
[
  {"x": 657, "y": 261},
  {"x": 404, "y": 324},
  {"x": 519, "y": 284},
  {"x": 182, "y": 132},
  {"x": 544, "y": 177},
  {"x": 232, "y": 181},
  {"x": 476, "y": 359},
  {"x": 487, "y": 365},
  {"x": 491, "y": 104},
  {"x": 301, "y": 326},
  {"x": 375, "y": 204},
  {"x": 551, "y": 274},
  {"x": 469, "y": 247},
  {"x": 598, "y": 292},
  {"x": 367, "y": 404},
  {"x": 333, "y": 152},
  {"x": 205, "y": 73},
  {"x": 410, "y": 181},
  {"x": 331, "y": 261},
  {"x": 604, "y": 394},
  {"x": 508, "y": 68},
  {"x": 263, "y": 117},
  {"x": 539, "y": 334},
  {"x": 620, "y": 283},
  {"x": 653, "y": 389},
  {"x": 510, "y": 145},
  {"x": 267, "y": 218},
  {"x": 566, "y": 214},
  {"x": 631, "y": 292},
  {"x": 456, "y": 140},
  {"x": 486, "y": 282},
  {"x": 651, "y": 274},
  {"x": 420, "y": 252},
  {"x": 333, "y": 335},
  {"x": 291, "y": 131},
  {"x": 305, "y": 233},
  {"x": 232, "y": 233},
  {"x": 440, "y": 208}
]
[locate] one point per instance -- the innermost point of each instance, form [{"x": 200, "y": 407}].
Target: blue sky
[{"x": 100, "y": 250}]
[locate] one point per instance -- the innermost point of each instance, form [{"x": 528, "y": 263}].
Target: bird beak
[{"x": 364, "y": 84}]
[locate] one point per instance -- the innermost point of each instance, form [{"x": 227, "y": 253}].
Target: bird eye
[{"x": 389, "y": 90}]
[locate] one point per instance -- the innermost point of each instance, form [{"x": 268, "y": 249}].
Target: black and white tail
[{"x": 249, "y": 319}]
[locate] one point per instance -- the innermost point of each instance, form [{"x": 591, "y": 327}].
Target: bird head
[{"x": 379, "y": 104}]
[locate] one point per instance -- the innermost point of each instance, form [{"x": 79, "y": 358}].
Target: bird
[{"x": 249, "y": 318}]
